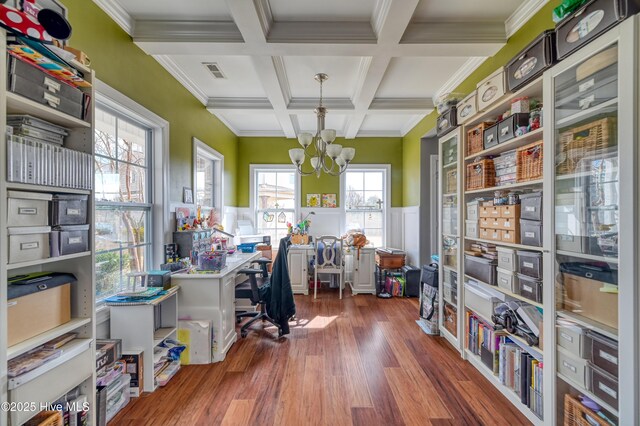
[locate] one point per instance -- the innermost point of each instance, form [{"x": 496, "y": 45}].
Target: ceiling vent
[{"x": 214, "y": 69}]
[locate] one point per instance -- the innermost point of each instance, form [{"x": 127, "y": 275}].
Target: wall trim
[
  {"x": 116, "y": 12},
  {"x": 460, "y": 75},
  {"x": 413, "y": 122},
  {"x": 521, "y": 15}
]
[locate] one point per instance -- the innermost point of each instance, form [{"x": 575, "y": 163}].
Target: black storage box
[
  {"x": 530, "y": 288},
  {"x": 490, "y": 136},
  {"x": 481, "y": 269},
  {"x": 447, "y": 121},
  {"x": 411, "y": 276},
  {"x": 507, "y": 127},
  {"x": 604, "y": 386},
  {"x": 594, "y": 271},
  {"x": 590, "y": 21},
  {"x": 527, "y": 65},
  {"x": 604, "y": 352},
  {"x": 531, "y": 206},
  {"x": 68, "y": 209},
  {"x": 159, "y": 279},
  {"x": 69, "y": 239},
  {"x": 531, "y": 233},
  {"x": 530, "y": 263}
]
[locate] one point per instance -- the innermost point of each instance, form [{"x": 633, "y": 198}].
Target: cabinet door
[
  {"x": 228, "y": 309},
  {"x": 298, "y": 271},
  {"x": 363, "y": 281}
]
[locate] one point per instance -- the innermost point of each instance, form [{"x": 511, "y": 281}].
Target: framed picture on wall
[
  {"x": 329, "y": 201},
  {"x": 187, "y": 195},
  {"x": 313, "y": 200}
]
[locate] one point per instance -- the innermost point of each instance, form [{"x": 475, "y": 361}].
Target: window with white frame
[
  {"x": 276, "y": 197},
  {"x": 365, "y": 201},
  {"x": 208, "y": 166},
  {"x": 124, "y": 198}
]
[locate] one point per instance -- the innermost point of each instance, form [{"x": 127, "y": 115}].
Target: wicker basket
[
  {"x": 575, "y": 413},
  {"x": 450, "y": 319},
  {"x": 584, "y": 140},
  {"x": 451, "y": 183},
  {"x": 475, "y": 138},
  {"x": 480, "y": 175},
  {"x": 529, "y": 162},
  {"x": 46, "y": 418}
]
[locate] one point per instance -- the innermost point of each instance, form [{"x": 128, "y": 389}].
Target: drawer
[
  {"x": 507, "y": 259},
  {"x": 471, "y": 228},
  {"x": 28, "y": 244},
  {"x": 573, "y": 368},
  {"x": 512, "y": 225},
  {"x": 473, "y": 210},
  {"x": 531, "y": 206},
  {"x": 510, "y": 236},
  {"x": 486, "y": 222},
  {"x": 490, "y": 234},
  {"x": 507, "y": 280},
  {"x": 573, "y": 339},
  {"x": 490, "y": 136},
  {"x": 511, "y": 211},
  {"x": 467, "y": 108},
  {"x": 604, "y": 352},
  {"x": 531, "y": 61},
  {"x": 491, "y": 89},
  {"x": 447, "y": 121},
  {"x": 507, "y": 128},
  {"x": 488, "y": 211},
  {"x": 604, "y": 385},
  {"x": 28, "y": 89},
  {"x": 27, "y": 209}
]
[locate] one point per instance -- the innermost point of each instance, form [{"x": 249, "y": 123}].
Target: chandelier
[{"x": 324, "y": 155}]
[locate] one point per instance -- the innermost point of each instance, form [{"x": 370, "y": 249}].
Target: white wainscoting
[
  {"x": 395, "y": 230},
  {"x": 411, "y": 234}
]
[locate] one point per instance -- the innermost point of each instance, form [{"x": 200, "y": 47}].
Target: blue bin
[{"x": 247, "y": 247}]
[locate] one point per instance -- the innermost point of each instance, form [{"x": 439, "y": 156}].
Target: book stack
[
  {"x": 486, "y": 250},
  {"x": 35, "y": 155}
]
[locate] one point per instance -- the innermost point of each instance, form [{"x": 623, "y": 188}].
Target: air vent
[{"x": 214, "y": 69}]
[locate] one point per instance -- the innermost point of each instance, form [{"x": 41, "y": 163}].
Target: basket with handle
[
  {"x": 529, "y": 162},
  {"x": 584, "y": 140},
  {"x": 480, "y": 174},
  {"x": 475, "y": 135},
  {"x": 576, "y": 414}
]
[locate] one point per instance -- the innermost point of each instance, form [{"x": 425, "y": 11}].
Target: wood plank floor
[{"x": 356, "y": 361}]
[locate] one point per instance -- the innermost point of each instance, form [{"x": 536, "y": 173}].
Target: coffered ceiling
[{"x": 386, "y": 59}]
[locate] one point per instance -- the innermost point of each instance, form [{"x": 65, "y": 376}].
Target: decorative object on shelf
[
  {"x": 329, "y": 201},
  {"x": 313, "y": 200},
  {"x": 187, "y": 195},
  {"x": 329, "y": 157}
]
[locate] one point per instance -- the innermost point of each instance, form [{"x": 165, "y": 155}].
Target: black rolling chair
[{"x": 256, "y": 288}]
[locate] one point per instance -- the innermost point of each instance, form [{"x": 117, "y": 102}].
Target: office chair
[{"x": 255, "y": 288}]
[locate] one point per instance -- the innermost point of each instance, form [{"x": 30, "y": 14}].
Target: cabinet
[
  {"x": 298, "y": 262},
  {"x": 363, "y": 271}
]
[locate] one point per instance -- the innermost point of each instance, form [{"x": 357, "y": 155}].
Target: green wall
[
  {"x": 252, "y": 150},
  {"x": 411, "y": 141},
  {"x": 123, "y": 66}
]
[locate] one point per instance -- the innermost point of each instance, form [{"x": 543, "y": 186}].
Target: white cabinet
[
  {"x": 298, "y": 269},
  {"x": 363, "y": 272}
]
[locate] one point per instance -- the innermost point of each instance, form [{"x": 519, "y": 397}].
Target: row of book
[{"x": 514, "y": 367}]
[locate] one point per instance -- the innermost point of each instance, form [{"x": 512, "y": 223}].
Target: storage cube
[
  {"x": 573, "y": 368},
  {"x": 574, "y": 339},
  {"x": 69, "y": 239},
  {"x": 604, "y": 385},
  {"x": 490, "y": 136},
  {"x": 28, "y": 244},
  {"x": 510, "y": 236},
  {"x": 447, "y": 121},
  {"x": 491, "y": 89},
  {"x": 480, "y": 268},
  {"x": 27, "y": 208},
  {"x": 530, "y": 288},
  {"x": 510, "y": 211},
  {"x": 69, "y": 209},
  {"x": 471, "y": 228},
  {"x": 531, "y": 232},
  {"x": 507, "y": 280},
  {"x": 507, "y": 127},
  {"x": 530, "y": 263},
  {"x": 472, "y": 210},
  {"x": 604, "y": 352},
  {"x": 507, "y": 259},
  {"x": 467, "y": 108},
  {"x": 531, "y": 206}
]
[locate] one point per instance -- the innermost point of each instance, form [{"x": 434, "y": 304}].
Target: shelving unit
[
  {"x": 518, "y": 142},
  {"x": 502, "y": 243},
  {"x": 77, "y": 368},
  {"x": 516, "y": 185},
  {"x": 506, "y": 293}
]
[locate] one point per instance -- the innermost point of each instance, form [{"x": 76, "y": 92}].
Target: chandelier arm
[{"x": 301, "y": 173}]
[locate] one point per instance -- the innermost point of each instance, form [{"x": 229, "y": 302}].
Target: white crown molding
[
  {"x": 380, "y": 14},
  {"x": 182, "y": 77},
  {"x": 281, "y": 73},
  {"x": 226, "y": 123},
  {"x": 117, "y": 13},
  {"x": 521, "y": 15},
  {"x": 228, "y": 104},
  {"x": 413, "y": 122},
  {"x": 263, "y": 8},
  {"x": 460, "y": 75},
  {"x": 261, "y": 133}
]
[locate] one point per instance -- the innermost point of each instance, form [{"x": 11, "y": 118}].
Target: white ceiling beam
[
  {"x": 186, "y": 31},
  {"x": 321, "y": 32},
  {"x": 309, "y": 104},
  {"x": 401, "y": 103},
  {"x": 454, "y": 33}
]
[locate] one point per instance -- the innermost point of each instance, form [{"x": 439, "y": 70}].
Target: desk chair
[
  {"x": 329, "y": 260},
  {"x": 256, "y": 289}
]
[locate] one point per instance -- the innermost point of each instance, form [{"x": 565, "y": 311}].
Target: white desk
[{"x": 211, "y": 297}]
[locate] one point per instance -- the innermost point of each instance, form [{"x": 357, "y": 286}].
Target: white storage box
[
  {"x": 507, "y": 259},
  {"x": 27, "y": 208},
  {"x": 573, "y": 338},
  {"x": 480, "y": 299},
  {"x": 472, "y": 210},
  {"x": 467, "y": 108},
  {"x": 471, "y": 228},
  {"x": 27, "y": 244},
  {"x": 507, "y": 280},
  {"x": 491, "y": 89},
  {"x": 573, "y": 368},
  {"x": 198, "y": 338}
]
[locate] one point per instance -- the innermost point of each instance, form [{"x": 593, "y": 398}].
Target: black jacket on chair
[{"x": 281, "y": 306}]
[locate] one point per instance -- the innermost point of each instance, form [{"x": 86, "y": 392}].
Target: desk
[{"x": 211, "y": 297}]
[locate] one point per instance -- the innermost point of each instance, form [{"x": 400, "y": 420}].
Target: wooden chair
[{"x": 328, "y": 260}]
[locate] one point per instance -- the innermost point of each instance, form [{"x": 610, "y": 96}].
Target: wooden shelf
[
  {"x": 501, "y": 243},
  {"x": 487, "y": 321},
  {"x": 46, "y": 261},
  {"x": 509, "y": 145},
  {"x": 17, "y": 104},
  {"x": 588, "y": 256},
  {"x": 504, "y": 187},
  {"x": 43, "y": 188},
  {"x": 591, "y": 396},
  {"x": 40, "y": 339},
  {"x": 590, "y": 324}
]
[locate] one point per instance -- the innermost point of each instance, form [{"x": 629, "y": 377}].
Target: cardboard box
[
  {"x": 108, "y": 351},
  {"x": 583, "y": 296},
  {"x": 135, "y": 368}
]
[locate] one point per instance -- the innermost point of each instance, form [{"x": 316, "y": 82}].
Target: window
[
  {"x": 275, "y": 191},
  {"x": 207, "y": 176},
  {"x": 124, "y": 197},
  {"x": 365, "y": 201}
]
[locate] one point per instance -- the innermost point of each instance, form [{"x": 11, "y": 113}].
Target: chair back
[{"x": 328, "y": 250}]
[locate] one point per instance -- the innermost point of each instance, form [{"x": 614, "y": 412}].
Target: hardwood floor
[{"x": 361, "y": 360}]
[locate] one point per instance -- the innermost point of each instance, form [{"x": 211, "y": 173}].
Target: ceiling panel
[
  {"x": 169, "y": 9},
  {"x": 309, "y": 122},
  {"x": 465, "y": 10},
  {"x": 325, "y": 10},
  {"x": 241, "y": 79},
  {"x": 342, "y": 71},
  {"x": 251, "y": 122}
]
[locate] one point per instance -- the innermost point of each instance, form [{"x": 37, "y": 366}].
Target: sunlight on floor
[{"x": 317, "y": 322}]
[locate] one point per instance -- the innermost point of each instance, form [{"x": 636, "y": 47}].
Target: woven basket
[
  {"x": 46, "y": 418},
  {"x": 576, "y": 143},
  {"x": 575, "y": 413},
  {"x": 529, "y": 162},
  {"x": 451, "y": 182},
  {"x": 480, "y": 175},
  {"x": 475, "y": 138}
]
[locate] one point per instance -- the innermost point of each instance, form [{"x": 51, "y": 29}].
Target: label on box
[
  {"x": 527, "y": 288},
  {"x": 530, "y": 209},
  {"x": 530, "y": 234},
  {"x": 73, "y": 212},
  {"x": 569, "y": 366},
  {"x": 607, "y": 356},
  {"x": 567, "y": 337},
  {"x": 75, "y": 240},
  {"x": 586, "y": 85},
  {"x": 606, "y": 389},
  {"x": 527, "y": 264}
]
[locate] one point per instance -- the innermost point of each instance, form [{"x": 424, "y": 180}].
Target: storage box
[
  {"x": 507, "y": 127},
  {"x": 135, "y": 368},
  {"x": 471, "y": 228},
  {"x": 475, "y": 138},
  {"x": 49, "y": 83},
  {"x": 490, "y": 136},
  {"x": 447, "y": 121},
  {"x": 157, "y": 278},
  {"x": 604, "y": 352},
  {"x": 486, "y": 223},
  {"x": 531, "y": 61},
  {"x": 69, "y": 239},
  {"x": 510, "y": 236},
  {"x": 480, "y": 268},
  {"x": 69, "y": 209},
  {"x": 510, "y": 211},
  {"x": 530, "y": 288},
  {"x": 531, "y": 206},
  {"x": 41, "y": 95},
  {"x": 467, "y": 107},
  {"x": 604, "y": 385},
  {"x": 530, "y": 263},
  {"x": 531, "y": 232},
  {"x": 28, "y": 244},
  {"x": 491, "y": 89},
  {"x": 480, "y": 301},
  {"x": 507, "y": 259},
  {"x": 490, "y": 234},
  {"x": 46, "y": 293},
  {"x": 389, "y": 261},
  {"x": 573, "y": 368},
  {"x": 450, "y": 319},
  {"x": 507, "y": 280},
  {"x": 27, "y": 209},
  {"x": 472, "y": 210},
  {"x": 574, "y": 339},
  {"x": 111, "y": 352}
]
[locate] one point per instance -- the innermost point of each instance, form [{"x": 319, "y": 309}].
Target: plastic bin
[
  {"x": 531, "y": 233},
  {"x": 212, "y": 260},
  {"x": 247, "y": 247},
  {"x": 480, "y": 268},
  {"x": 480, "y": 301},
  {"x": 531, "y": 206},
  {"x": 68, "y": 209},
  {"x": 530, "y": 288},
  {"x": 530, "y": 263}
]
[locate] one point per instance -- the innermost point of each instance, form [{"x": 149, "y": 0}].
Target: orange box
[
  {"x": 485, "y": 211},
  {"x": 509, "y": 236},
  {"x": 485, "y": 222},
  {"x": 510, "y": 211},
  {"x": 490, "y": 234},
  {"x": 508, "y": 224}
]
